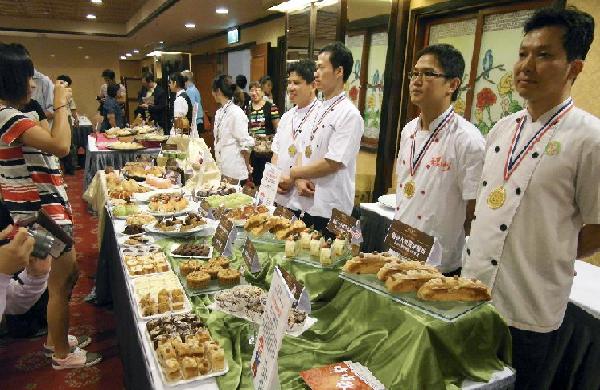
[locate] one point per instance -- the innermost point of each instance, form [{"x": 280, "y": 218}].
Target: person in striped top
[{"x": 30, "y": 182}]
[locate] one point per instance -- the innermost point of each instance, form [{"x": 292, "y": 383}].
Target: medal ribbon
[
  {"x": 225, "y": 108},
  {"x": 297, "y": 131},
  {"x": 414, "y": 164},
  {"x": 513, "y": 161},
  {"x": 327, "y": 111}
]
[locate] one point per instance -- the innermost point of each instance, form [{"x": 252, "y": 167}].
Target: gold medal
[
  {"x": 496, "y": 198},
  {"x": 409, "y": 189},
  {"x": 308, "y": 151},
  {"x": 553, "y": 148},
  {"x": 292, "y": 150}
]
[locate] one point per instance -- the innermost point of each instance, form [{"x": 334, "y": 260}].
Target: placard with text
[
  {"x": 341, "y": 223},
  {"x": 268, "y": 185},
  {"x": 222, "y": 235},
  {"x": 409, "y": 242},
  {"x": 250, "y": 257}
]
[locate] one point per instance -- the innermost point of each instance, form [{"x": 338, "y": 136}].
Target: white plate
[
  {"x": 388, "y": 201},
  {"x": 201, "y": 231},
  {"x": 175, "y": 246},
  {"x": 191, "y": 208},
  {"x": 145, "y": 196}
]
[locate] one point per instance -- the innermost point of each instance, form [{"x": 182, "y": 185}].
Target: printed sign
[
  {"x": 409, "y": 242},
  {"x": 268, "y": 185},
  {"x": 222, "y": 235},
  {"x": 341, "y": 223},
  {"x": 250, "y": 257}
]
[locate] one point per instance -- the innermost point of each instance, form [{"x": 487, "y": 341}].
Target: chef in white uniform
[
  {"x": 331, "y": 143},
  {"x": 232, "y": 140},
  {"x": 287, "y": 146},
  {"x": 440, "y": 157},
  {"x": 538, "y": 206}
]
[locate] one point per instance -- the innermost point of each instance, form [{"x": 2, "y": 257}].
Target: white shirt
[
  {"x": 445, "y": 180},
  {"x": 525, "y": 250},
  {"x": 297, "y": 120},
  {"x": 16, "y": 298},
  {"x": 180, "y": 105},
  {"x": 231, "y": 137},
  {"x": 337, "y": 138}
]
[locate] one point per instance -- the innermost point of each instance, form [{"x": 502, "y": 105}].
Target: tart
[
  {"x": 228, "y": 277},
  {"x": 198, "y": 279}
]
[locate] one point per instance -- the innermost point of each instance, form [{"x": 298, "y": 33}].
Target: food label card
[
  {"x": 250, "y": 257},
  {"x": 409, "y": 242},
  {"x": 341, "y": 223},
  {"x": 263, "y": 364},
  {"x": 222, "y": 235},
  {"x": 268, "y": 185}
]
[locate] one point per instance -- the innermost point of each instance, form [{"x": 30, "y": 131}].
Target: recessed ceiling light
[
  {"x": 91, "y": 16},
  {"x": 136, "y": 51},
  {"x": 161, "y": 42},
  {"x": 190, "y": 25},
  {"x": 86, "y": 57},
  {"x": 128, "y": 54},
  {"x": 52, "y": 55},
  {"x": 97, "y": 1},
  {"x": 222, "y": 11},
  {"x": 123, "y": 57},
  {"x": 80, "y": 47}
]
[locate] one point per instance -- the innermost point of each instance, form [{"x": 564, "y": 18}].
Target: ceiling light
[
  {"x": 123, "y": 57},
  {"x": 128, "y": 54},
  {"x": 52, "y": 55},
  {"x": 91, "y": 16},
  {"x": 299, "y": 5},
  {"x": 97, "y": 1},
  {"x": 222, "y": 11},
  {"x": 190, "y": 25},
  {"x": 136, "y": 51},
  {"x": 86, "y": 57},
  {"x": 80, "y": 47}
]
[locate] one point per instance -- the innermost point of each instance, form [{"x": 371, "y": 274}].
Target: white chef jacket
[
  {"x": 180, "y": 105},
  {"x": 231, "y": 137},
  {"x": 446, "y": 179},
  {"x": 338, "y": 139},
  {"x": 525, "y": 250},
  {"x": 294, "y": 119}
]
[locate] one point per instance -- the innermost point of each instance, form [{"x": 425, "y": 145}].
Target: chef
[
  {"x": 440, "y": 157},
  {"x": 538, "y": 207},
  {"x": 287, "y": 146},
  {"x": 232, "y": 141},
  {"x": 331, "y": 143}
]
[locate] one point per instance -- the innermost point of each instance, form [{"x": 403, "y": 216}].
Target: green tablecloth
[{"x": 403, "y": 347}]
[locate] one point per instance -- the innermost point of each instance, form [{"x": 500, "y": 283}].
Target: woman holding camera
[{"x": 31, "y": 181}]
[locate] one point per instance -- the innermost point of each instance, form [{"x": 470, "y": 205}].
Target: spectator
[
  {"x": 263, "y": 118},
  {"x": 68, "y": 161},
  {"x": 109, "y": 78},
  {"x": 194, "y": 95},
  {"x": 157, "y": 104},
  {"x": 111, "y": 111},
  {"x": 15, "y": 297},
  {"x": 43, "y": 93},
  {"x": 241, "y": 97},
  {"x": 267, "y": 88},
  {"x": 182, "y": 105},
  {"x": 33, "y": 183}
]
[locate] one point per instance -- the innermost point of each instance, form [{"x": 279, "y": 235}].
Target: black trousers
[
  {"x": 319, "y": 223},
  {"x": 530, "y": 351}
]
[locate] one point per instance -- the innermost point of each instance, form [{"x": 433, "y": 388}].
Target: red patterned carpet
[{"x": 22, "y": 363}]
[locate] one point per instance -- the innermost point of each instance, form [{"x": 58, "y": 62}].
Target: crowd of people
[{"x": 528, "y": 195}]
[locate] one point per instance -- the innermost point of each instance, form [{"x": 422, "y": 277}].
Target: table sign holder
[{"x": 268, "y": 185}]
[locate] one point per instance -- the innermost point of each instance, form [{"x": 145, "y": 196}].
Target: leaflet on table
[
  {"x": 250, "y": 256},
  {"x": 341, "y": 223},
  {"x": 298, "y": 291},
  {"x": 263, "y": 364},
  {"x": 412, "y": 243},
  {"x": 268, "y": 185}
]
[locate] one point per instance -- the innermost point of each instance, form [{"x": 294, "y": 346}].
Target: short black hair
[
  {"x": 108, "y": 74},
  {"x": 148, "y": 77},
  {"x": 112, "y": 90},
  {"x": 241, "y": 81},
  {"x": 450, "y": 59},
  {"x": 577, "y": 25},
  {"x": 16, "y": 68},
  {"x": 65, "y": 78},
  {"x": 221, "y": 83},
  {"x": 179, "y": 79},
  {"x": 304, "y": 68},
  {"x": 265, "y": 79},
  {"x": 339, "y": 55}
]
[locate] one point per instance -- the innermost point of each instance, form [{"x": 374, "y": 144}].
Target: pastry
[
  {"x": 325, "y": 253},
  {"x": 291, "y": 247},
  {"x": 367, "y": 263},
  {"x": 190, "y": 266},
  {"x": 198, "y": 279},
  {"x": 212, "y": 270},
  {"x": 338, "y": 246},
  {"x": 171, "y": 367},
  {"x": 454, "y": 289},
  {"x": 189, "y": 367},
  {"x": 396, "y": 266},
  {"x": 220, "y": 261},
  {"x": 315, "y": 245},
  {"x": 410, "y": 280},
  {"x": 215, "y": 355},
  {"x": 203, "y": 365},
  {"x": 228, "y": 277},
  {"x": 192, "y": 250},
  {"x": 305, "y": 240}
]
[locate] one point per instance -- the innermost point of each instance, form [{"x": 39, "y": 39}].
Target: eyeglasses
[{"x": 427, "y": 75}]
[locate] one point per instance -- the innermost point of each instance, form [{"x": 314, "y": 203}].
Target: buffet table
[
  {"x": 577, "y": 350},
  {"x": 97, "y": 160},
  {"x": 402, "y": 346}
]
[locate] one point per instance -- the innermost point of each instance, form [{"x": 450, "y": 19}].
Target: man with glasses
[{"x": 440, "y": 157}]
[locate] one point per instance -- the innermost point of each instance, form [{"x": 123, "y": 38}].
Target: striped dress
[{"x": 30, "y": 180}]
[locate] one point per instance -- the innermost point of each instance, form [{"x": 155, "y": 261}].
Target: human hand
[
  {"x": 14, "y": 256},
  {"x": 39, "y": 267},
  {"x": 62, "y": 94},
  {"x": 285, "y": 185},
  {"x": 249, "y": 168},
  {"x": 305, "y": 188},
  {"x": 144, "y": 106}
]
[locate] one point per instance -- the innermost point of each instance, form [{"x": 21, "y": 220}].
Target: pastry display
[
  {"x": 136, "y": 240},
  {"x": 228, "y": 277},
  {"x": 198, "y": 279},
  {"x": 281, "y": 227},
  {"x": 410, "y": 280},
  {"x": 454, "y": 289},
  {"x": 189, "y": 249},
  {"x": 210, "y": 189},
  {"x": 184, "y": 348},
  {"x": 133, "y": 229},
  {"x": 127, "y": 186},
  {"x": 167, "y": 203},
  {"x": 120, "y": 194},
  {"x": 140, "y": 249},
  {"x": 187, "y": 267},
  {"x": 195, "y": 272},
  {"x": 140, "y": 219},
  {"x": 230, "y": 201},
  {"x": 120, "y": 145},
  {"x": 146, "y": 264},
  {"x": 125, "y": 210},
  {"x": 368, "y": 263},
  {"x": 159, "y": 294},
  {"x": 188, "y": 223},
  {"x": 142, "y": 169},
  {"x": 396, "y": 266},
  {"x": 243, "y": 213},
  {"x": 158, "y": 182},
  {"x": 249, "y": 301}
]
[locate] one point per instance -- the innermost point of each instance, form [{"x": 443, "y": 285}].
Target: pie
[{"x": 454, "y": 289}]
